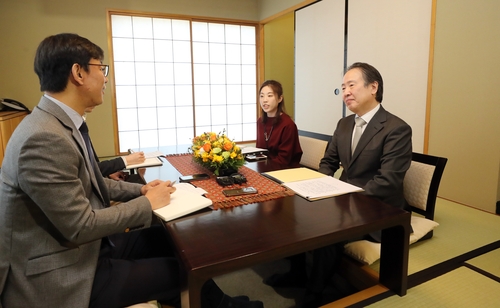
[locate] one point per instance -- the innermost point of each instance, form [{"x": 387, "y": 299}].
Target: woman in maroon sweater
[{"x": 276, "y": 131}]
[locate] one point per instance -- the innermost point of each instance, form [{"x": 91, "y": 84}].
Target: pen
[
  {"x": 130, "y": 151},
  {"x": 172, "y": 184}
]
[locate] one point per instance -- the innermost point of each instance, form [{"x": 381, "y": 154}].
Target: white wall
[{"x": 269, "y": 8}]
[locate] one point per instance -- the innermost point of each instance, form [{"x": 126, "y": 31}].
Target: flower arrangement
[{"x": 216, "y": 152}]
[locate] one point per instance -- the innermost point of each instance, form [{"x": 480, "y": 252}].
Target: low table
[{"x": 214, "y": 243}]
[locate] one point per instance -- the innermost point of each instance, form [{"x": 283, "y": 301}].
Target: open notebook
[
  {"x": 185, "y": 200},
  {"x": 152, "y": 159},
  {"x": 310, "y": 184},
  {"x": 149, "y": 162}
]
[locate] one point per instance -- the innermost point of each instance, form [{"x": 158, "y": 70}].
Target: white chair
[{"x": 313, "y": 151}]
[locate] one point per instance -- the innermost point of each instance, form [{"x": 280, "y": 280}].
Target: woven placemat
[{"x": 267, "y": 189}]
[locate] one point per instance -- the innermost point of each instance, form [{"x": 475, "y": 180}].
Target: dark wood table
[{"x": 213, "y": 243}]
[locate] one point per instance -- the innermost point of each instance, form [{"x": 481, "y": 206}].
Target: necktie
[
  {"x": 358, "y": 130},
  {"x": 84, "y": 129}
]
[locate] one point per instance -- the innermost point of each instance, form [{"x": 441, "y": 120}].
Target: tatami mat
[
  {"x": 249, "y": 282},
  {"x": 462, "y": 287},
  {"x": 489, "y": 262},
  {"x": 461, "y": 229}
]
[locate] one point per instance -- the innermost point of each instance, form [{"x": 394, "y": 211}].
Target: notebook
[{"x": 185, "y": 200}]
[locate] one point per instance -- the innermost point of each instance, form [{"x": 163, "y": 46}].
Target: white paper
[
  {"x": 149, "y": 162},
  {"x": 322, "y": 187},
  {"x": 190, "y": 188},
  {"x": 153, "y": 154}
]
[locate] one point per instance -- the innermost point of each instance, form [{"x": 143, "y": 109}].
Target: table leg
[
  {"x": 191, "y": 296},
  {"x": 394, "y": 258}
]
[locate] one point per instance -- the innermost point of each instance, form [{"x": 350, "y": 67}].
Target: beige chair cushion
[
  {"x": 416, "y": 190},
  {"x": 368, "y": 252},
  {"x": 150, "y": 304},
  {"x": 417, "y": 183},
  {"x": 313, "y": 151}
]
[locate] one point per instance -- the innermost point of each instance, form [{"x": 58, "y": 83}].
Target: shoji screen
[
  {"x": 319, "y": 64},
  {"x": 394, "y": 36}
]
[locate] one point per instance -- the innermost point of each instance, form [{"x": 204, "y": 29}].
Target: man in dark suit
[
  {"x": 383, "y": 154},
  {"x": 378, "y": 163},
  {"x": 61, "y": 243}
]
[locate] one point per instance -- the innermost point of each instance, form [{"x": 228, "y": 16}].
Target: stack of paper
[{"x": 311, "y": 184}]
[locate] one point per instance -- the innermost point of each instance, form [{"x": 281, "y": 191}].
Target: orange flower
[
  {"x": 228, "y": 145},
  {"x": 207, "y": 147}
]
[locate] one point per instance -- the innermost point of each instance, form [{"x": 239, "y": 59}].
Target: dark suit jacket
[
  {"x": 54, "y": 211},
  {"x": 380, "y": 161},
  {"x": 110, "y": 166}
]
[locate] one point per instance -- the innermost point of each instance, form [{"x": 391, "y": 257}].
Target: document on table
[
  {"x": 292, "y": 175},
  {"x": 323, "y": 187},
  {"x": 185, "y": 200},
  {"x": 311, "y": 184}
]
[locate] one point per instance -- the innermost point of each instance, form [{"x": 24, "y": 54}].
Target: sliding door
[
  {"x": 394, "y": 36},
  {"x": 319, "y": 66}
]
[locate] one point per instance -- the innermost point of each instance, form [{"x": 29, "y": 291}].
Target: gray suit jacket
[
  {"x": 380, "y": 161},
  {"x": 54, "y": 211}
]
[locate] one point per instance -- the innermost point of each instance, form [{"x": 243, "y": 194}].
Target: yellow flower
[{"x": 217, "y": 159}]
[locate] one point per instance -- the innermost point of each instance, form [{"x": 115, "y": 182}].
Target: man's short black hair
[{"x": 56, "y": 55}]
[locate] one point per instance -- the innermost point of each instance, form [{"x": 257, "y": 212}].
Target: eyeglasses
[{"x": 103, "y": 67}]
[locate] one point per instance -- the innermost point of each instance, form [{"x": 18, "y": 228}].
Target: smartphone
[
  {"x": 255, "y": 157},
  {"x": 239, "y": 191},
  {"x": 194, "y": 177}
]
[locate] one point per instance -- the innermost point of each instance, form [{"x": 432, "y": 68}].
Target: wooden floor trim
[{"x": 358, "y": 297}]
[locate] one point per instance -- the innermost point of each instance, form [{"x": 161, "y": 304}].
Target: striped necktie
[{"x": 358, "y": 131}]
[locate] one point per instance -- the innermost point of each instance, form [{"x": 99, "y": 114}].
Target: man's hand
[
  {"x": 118, "y": 176},
  {"x": 158, "y": 193},
  {"x": 135, "y": 158}
]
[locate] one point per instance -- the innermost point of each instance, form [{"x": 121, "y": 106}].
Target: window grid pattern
[{"x": 176, "y": 79}]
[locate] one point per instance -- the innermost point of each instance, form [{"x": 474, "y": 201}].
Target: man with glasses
[
  {"x": 61, "y": 243},
  {"x": 104, "y": 68}
]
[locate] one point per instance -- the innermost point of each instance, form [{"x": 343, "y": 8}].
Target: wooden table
[{"x": 213, "y": 243}]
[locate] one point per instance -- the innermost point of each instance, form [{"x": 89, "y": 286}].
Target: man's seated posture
[
  {"x": 61, "y": 243},
  {"x": 374, "y": 148}
]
